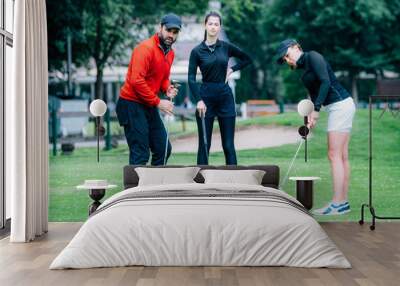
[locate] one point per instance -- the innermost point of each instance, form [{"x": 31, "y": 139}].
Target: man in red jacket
[{"x": 138, "y": 105}]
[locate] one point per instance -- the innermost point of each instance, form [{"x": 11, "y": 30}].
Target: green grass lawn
[{"x": 69, "y": 204}]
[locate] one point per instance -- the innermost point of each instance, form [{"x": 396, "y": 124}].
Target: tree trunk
[
  {"x": 98, "y": 94},
  {"x": 354, "y": 88},
  {"x": 255, "y": 86},
  {"x": 99, "y": 90}
]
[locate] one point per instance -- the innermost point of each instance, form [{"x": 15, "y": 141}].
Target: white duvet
[{"x": 183, "y": 231}]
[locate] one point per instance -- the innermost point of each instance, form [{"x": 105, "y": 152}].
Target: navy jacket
[
  {"x": 213, "y": 63},
  {"x": 320, "y": 81}
]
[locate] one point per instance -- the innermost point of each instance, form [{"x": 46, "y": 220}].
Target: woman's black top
[
  {"x": 320, "y": 81},
  {"x": 213, "y": 63}
]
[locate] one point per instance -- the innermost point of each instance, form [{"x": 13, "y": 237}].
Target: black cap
[
  {"x": 282, "y": 49},
  {"x": 171, "y": 21}
]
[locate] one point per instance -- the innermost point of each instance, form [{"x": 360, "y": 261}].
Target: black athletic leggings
[{"x": 227, "y": 129}]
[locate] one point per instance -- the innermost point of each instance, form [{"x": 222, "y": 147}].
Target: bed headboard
[{"x": 270, "y": 179}]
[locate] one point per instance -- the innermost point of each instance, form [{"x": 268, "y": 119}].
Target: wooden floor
[{"x": 374, "y": 255}]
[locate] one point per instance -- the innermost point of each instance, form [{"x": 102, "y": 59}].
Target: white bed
[{"x": 222, "y": 225}]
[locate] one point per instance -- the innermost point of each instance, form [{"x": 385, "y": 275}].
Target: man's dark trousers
[{"x": 144, "y": 132}]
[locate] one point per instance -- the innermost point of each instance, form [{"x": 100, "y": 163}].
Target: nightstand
[
  {"x": 304, "y": 190},
  {"x": 97, "y": 190}
]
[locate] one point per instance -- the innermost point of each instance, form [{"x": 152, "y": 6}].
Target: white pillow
[
  {"x": 166, "y": 176},
  {"x": 249, "y": 177}
]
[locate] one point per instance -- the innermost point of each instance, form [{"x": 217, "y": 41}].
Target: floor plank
[{"x": 374, "y": 255}]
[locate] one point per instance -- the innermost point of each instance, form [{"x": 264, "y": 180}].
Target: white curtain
[{"x": 27, "y": 121}]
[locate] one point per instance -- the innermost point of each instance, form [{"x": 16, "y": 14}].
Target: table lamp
[
  {"x": 97, "y": 108},
  {"x": 305, "y": 108}
]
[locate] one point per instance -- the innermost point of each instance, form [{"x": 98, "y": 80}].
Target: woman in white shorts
[{"x": 325, "y": 90}]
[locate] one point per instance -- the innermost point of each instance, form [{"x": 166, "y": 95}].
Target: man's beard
[{"x": 166, "y": 43}]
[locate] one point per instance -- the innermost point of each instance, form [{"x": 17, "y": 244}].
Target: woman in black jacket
[
  {"x": 214, "y": 97},
  {"x": 325, "y": 90}
]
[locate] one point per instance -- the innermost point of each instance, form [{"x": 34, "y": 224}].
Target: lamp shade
[
  {"x": 305, "y": 107},
  {"x": 98, "y": 107}
]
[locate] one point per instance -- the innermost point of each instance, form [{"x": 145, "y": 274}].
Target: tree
[
  {"x": 243, "y": 21},
  {"x": 105, "y": 28},
  {"x": 102, "y": 29},
  {"x": 240, "y": 21},
  {"x": 352, "y": 35},
  {"x": 355, "y": 36},
  {"x": 68, "y": 20},
  {"x": 107, "y": 25}
]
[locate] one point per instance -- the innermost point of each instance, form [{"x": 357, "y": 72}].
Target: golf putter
[
  {"x": 203, "y": 125},
  {"x": 176, "y": 85},
  {"x": 166, "y": 145}
]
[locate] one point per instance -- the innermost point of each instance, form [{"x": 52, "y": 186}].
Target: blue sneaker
[{"x": 333, "y": 209}]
